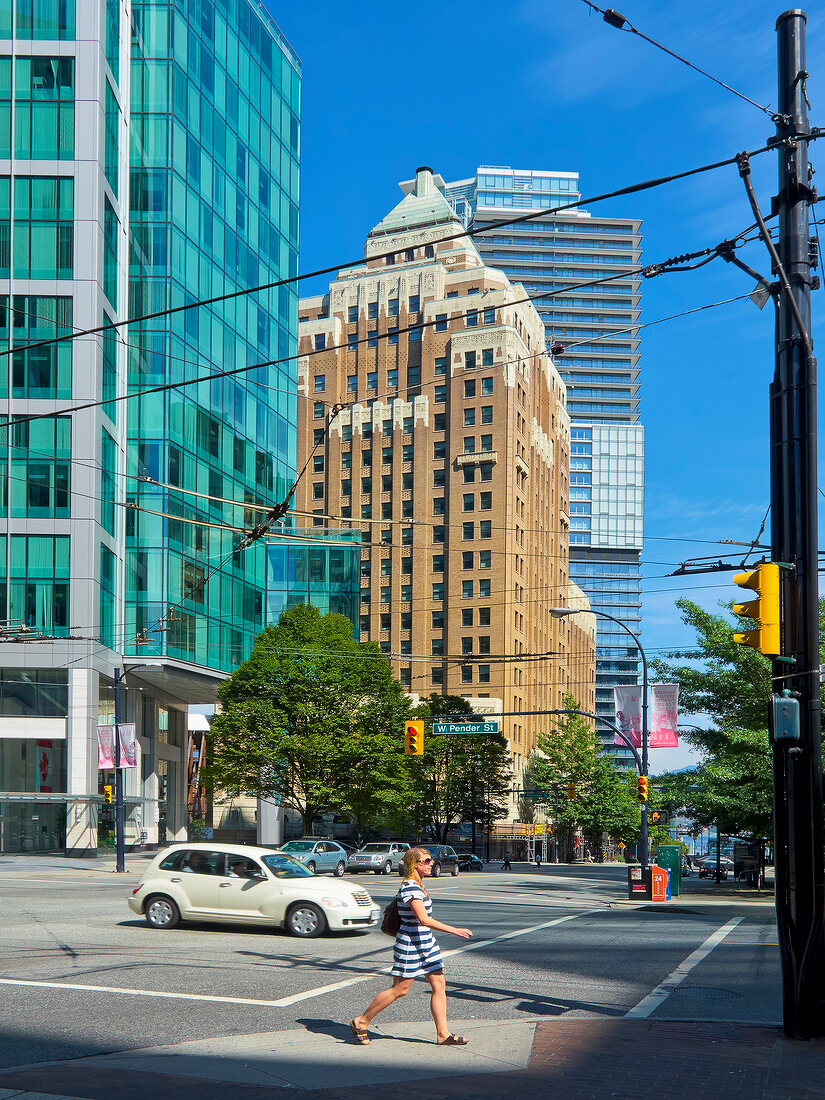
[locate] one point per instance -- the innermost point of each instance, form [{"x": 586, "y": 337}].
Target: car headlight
[{"x": 334, "y": 903}]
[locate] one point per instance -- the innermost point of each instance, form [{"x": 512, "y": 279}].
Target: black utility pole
[{"x": 797, "y": 765}]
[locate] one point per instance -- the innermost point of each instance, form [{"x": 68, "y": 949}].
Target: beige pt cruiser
[{"x": 236, "y": 884}]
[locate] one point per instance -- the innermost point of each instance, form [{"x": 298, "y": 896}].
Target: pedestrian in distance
[
  {"x": 416, "y": 953},
  {"x": 506, "y": 866},
  {"x": 538, "y": 861}
]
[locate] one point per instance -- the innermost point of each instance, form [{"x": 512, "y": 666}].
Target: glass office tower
[
  {"x": 596, "y": 327},
  {"x": 148, "y": 159}
]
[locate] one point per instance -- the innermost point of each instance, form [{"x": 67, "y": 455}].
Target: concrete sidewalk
[{"x": 578, "y": 1059}]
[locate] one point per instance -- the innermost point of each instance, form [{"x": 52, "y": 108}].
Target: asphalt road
[{"x": 81, "y": 975}]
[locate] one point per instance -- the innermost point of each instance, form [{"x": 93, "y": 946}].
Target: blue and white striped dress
[{"x": 416, "y": 950}]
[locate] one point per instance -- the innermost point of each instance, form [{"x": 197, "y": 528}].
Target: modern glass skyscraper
[
  {"x": 596, "y": 327},
  {"x": 149, "y": 158}
]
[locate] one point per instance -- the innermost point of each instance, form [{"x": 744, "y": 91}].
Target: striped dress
[{"x": 416, "y": 951}]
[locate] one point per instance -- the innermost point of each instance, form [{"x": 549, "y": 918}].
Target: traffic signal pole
[{"x": 797, "y": 770}]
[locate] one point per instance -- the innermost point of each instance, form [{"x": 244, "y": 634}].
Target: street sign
[
  {"x": 458, "y": 729},
  {"x": 535, "y": 794}
]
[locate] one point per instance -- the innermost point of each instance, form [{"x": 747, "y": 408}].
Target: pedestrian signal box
[
  {"x": 107, "y": 794},
  {"x": 413, "y": 738}
]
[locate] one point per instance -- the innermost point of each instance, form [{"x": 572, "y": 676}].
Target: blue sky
[{"x": 546, "y": 84}]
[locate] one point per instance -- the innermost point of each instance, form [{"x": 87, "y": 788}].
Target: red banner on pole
[{"x": 628, "y": 701}]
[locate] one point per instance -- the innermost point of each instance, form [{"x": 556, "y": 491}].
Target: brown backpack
[{"x": 392, "y": 919}]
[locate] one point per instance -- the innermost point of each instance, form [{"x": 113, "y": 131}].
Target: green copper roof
[{"x": 424, "y": 205}]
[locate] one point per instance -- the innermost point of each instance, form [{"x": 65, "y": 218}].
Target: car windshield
[
  {"x": 374, "y": 848},
  {"x": 284, "y": 867},
  {"x": 299, "y": 846}
]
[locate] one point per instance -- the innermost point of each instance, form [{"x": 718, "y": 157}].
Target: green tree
[
  {"x": 458, "y": 778},
  {"x": 604, "y": 798},
  {"x": 313, "y": 718}
]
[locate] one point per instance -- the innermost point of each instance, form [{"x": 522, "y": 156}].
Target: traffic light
[
  {"x": 765, "y": 611},
  {"x": 571, "y": 792},
  {"x": 659, "y": 817},
  {"x": 107, "y": 794},
  {"x": 641, "y": 788},
  {"x": 413, "y": 738}
]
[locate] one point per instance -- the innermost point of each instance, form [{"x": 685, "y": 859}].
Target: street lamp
[
  {"x": 563, "y": 612},
  {"x": 120, "y": 843}
]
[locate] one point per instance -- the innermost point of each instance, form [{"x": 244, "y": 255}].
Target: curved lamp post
[{"x": 564, "y": 612}]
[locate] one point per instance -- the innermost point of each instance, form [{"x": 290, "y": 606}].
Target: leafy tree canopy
[{"x": 313, "y": 718}]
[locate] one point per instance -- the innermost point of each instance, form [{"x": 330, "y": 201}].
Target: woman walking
[{"x": 416, "y": 952}]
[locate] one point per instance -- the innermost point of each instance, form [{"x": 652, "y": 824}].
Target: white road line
[
  {"x": 283, "y": 1002},
  {"x": 651, "y": 1002}
]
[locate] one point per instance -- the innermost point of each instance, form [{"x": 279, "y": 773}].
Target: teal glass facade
[
  {"x": 213, "y": 208},
  {"x": 326, "y": 575}
]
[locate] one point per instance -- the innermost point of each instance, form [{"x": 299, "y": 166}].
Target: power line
[
  {"x": 617, "y": 20},
  {"x": 631, "y": 189}
]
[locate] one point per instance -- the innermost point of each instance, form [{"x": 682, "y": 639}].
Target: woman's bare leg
[
  {"x": 400, "y": 988},
  {"x": 438, "y": 1005}
]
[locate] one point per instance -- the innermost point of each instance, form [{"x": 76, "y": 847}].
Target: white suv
[{"x": 382, "y": 857}]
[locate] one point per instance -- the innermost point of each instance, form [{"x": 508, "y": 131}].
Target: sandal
[
  {"x": 454, "y": 1041},
  {"x": 362, "y": 1036}
]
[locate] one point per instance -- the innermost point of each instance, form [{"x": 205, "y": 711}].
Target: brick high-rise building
[{"x": 452, "y": 456}]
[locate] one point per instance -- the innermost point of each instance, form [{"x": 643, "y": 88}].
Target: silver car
[
  {"x": 382, "y": 857},
  {"x": 318, "y": 856}
]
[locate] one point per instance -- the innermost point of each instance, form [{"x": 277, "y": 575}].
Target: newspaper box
[
  {"x": 659, "y": 884},
  {"x": 638, "y": 882}
]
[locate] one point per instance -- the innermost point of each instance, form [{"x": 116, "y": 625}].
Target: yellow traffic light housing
[
  {"x": 571, "y": 792},
  {"x": 641, "y": 788},
  {"x": 413, "y": 738},
  {"x": 765, "y": 610},
  {"x": 107, "y": 793}
]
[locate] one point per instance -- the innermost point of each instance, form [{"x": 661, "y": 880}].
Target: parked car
[
  {"x": 381, "y": 857},
  {"x": 236, "y": 884},
  {"x": 318, "y": 855},
  {"x": 707, "y": 866},
  {"x": 444, "y": 859},
  {"x": 469, "y": 861}
]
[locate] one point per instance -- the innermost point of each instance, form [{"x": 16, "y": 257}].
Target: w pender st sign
[{"x": 459, "y": 729}]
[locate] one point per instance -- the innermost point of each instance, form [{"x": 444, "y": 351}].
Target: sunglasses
[{"x": 424, "y": 861}]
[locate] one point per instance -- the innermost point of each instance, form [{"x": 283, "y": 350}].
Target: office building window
[
  {"x": 487, "y": 387},
  {"x": 467, "y": 590},
  {"x": 386, "y": 509},
  {"x": 392, "y": 339},
  {"x": 466, "y": 645},
  {"x": 320, "y": 381},
  {"x": 487, "y": 357},
  {"x": 469, "y": 418},
  {"x": 485, "y": 501},
  {"x": 438, "y": 590},
  {"x": 437, "y": 620},
  {"x": 318, "y": 490},
  {"x": 414, "y": 303},
  {"x": 484, "y": 588},
  {"x": 469, "y": 444},
  {"x": 490, "y": 315},
  {"x": 441, "y": 322},
  {"x": 318, "y": 463},
  {"x": 38, "y": 20},
  {"x": 438, "y": 563},
  {"x": 486, "y": 470},
  {"x": 318, "y": 410},
  {"x": 352, "y": 314},
  {"x": 441, "y": 364},
  {"x": 439, "y": 450},
  {"x": 485, "y": 529},
  {"x": 469, "y": 387},
  {"x": 437, "y": 647},
  {"x": 438, "y": 533},
  {"x": 440, "y": 422},
  {"x": 437, "y": 674},
  {"x": 407, "y": 425},
  {"x": 372, "y": 311},
  {"x": 486, "y": 414},
  {"x": 438, "y": 506},
  {"x": 352, "y": 383},
  {"x": 469, "y": 360},
  {"x": 466, "y": 616},
  {"x": 484, "y": 674},
  {"x": 392, "y": 379},
  {"x": 484, "y": 559},
  {"x": 472, "y": 318},
  {"x": 468, "y": 503},
  {"x": 45, "y": 371},
  {"x": 484, "y": 616},
  {"x": 372, "y": 381},
  {"x": 486, "y": 443},
  {"x": 386, "y": 593},
  {"x": 469, "y": 474},
  {"x": 467, "y": 559},
  {"x": 392, "y": 307},
  {"x": 352, "y": 341},
  {"x": 440, "y": 395},
  {"x": 467, "y": 531},
  {"x": 44, "y": 227},
  {"x": 467, "y": 674}
]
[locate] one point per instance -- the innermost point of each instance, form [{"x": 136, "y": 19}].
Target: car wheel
[
  {"x": 454, "y": 871},
  {"x": 436, "y": 871},
  {"x": 311, "y": 866},
  {"x": 387, "y": 868},
  {"x": 161, "y": 912},
  {"x": 340, "y": 867},
  {"x": 305, "y": 920}
]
